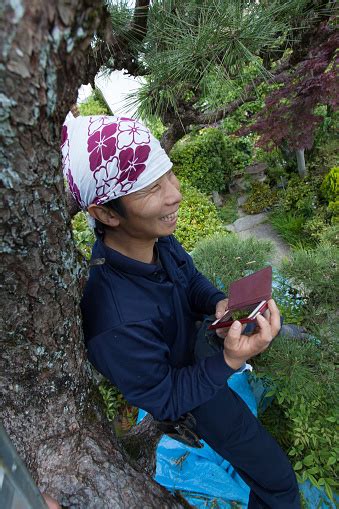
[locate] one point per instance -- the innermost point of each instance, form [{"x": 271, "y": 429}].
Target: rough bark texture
[{"x": 47, "y": 404}]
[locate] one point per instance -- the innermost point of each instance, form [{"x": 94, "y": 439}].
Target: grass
[
  {"x": 289, "y": 226},
  {"x": 228, "y": 213}
]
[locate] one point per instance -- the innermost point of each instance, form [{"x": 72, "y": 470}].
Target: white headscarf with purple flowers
[{"x": 107, "y": 157}]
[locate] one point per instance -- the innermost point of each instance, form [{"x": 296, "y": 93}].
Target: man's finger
[
  {"x": 221, "y": 308},
  {"x": 265, "y": 330},
  {"x": 234, "y": 333},
  {"x": 275, "y": 317}
]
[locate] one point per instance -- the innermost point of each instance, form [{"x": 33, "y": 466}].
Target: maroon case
[
  {"x": 246, "y": 292},
  {"x": 250, "y": 289}
]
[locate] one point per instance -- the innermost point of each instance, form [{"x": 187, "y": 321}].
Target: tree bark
[
  {"x": 300, "y": 154},
  {"x": 48, "y": 405}
]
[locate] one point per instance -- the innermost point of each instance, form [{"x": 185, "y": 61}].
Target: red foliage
[{"x": 289, "y": 114}]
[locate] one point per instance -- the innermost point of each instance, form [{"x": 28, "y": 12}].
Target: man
[{"x": 144, "y": 297}]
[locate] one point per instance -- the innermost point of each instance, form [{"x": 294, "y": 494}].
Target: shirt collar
[{"x": 120, "y": 261}]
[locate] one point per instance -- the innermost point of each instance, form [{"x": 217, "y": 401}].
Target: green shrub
[
  {"x": 238, "y": 153},
  {"x": 156, "y": 127},
  {"x": 197, "y": 219},
  {"x": 316, "y": 271},
  {"x": 225, "y": 259},
  {"x": 303, "y": 412},
  {"x": 200, "y": 160},
  {"x": 228, "y": 213},
  {"x": 112, "y": 398},
  {"x": 330, "y": 191},
  {"x": 275, "y": 164},
  {"x": 83, "y": 234},
  {"x": 289, "y": 226},
  {"x": 300, "y": 196},
  {"x": 330, "y": 235},
  {"x": 314, "y": 227},
  {"x": 207, "y": 159},
  {"x": 261, "y": 197},
  {"x": 330, "y": 185},
  {"x": 94, "y": 105}
]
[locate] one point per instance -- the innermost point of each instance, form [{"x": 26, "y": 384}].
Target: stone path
[{"x": 256, "y": 226}]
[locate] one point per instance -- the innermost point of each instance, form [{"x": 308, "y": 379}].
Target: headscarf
[{"x": 105, "y": 157}]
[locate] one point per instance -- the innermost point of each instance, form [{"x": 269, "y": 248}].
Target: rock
[
  {"x": 230, "y": 228},
  {"x": 217, "y": 199},
  {"x": 242, "y": 199},
  {"x": 246, "y": 222}
]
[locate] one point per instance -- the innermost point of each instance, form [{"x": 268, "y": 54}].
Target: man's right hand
[{"x": 238, "y": 347}]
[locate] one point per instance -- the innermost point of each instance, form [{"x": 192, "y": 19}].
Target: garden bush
[
  {"x": 225, "y": 259},
  {"x": 316, "y": 271},
  {"x": 228, "y": 213},
  {"x": 261, "y": 197},
  {"x": 300, "y": 196},
  {"x": 207, "y": 159},
  {"x": 289, "y": 226},
  {"x": 330, "y": 235},
  {"x": 198, "y": 217},
  {"x": 330, "y": 191},
  {"x": 83, "y": 234},
  {"x": 94, "y": 105},
  {"x": 301, "y": 376}
]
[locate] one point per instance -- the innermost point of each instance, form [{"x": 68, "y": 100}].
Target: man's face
[{"x": 152, "y": 212}]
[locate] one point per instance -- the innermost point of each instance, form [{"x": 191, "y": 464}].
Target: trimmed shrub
[
  {"x": 198, "y": 217},
  {"x": 200, "y": 160},
  {"x": 317, "y": 272},
  {"x": 203, "y": 159},
  {"x": 225, "y": 259},
  {"x": 300, "y": 196},
  {"x": 330, "y": 191},
  {"x": 94, "y": 105},
  {"x": 261, "y": 197}
]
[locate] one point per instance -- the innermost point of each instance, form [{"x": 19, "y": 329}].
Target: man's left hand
[{"x": 221, "y": 308}]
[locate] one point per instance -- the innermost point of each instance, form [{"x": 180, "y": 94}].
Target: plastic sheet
[{"x": 204, "y": 478}]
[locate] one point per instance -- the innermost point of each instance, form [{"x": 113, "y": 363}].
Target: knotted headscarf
[{"x": 105, "y": 157}]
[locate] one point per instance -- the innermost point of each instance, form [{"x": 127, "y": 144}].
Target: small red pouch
[{"x": 246, "y": 292}]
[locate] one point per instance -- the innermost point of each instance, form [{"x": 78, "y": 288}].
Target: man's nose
[{"x": 173, "y": 194}]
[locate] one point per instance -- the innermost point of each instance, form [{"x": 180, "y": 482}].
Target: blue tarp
[{"x": 204, "y": 478}]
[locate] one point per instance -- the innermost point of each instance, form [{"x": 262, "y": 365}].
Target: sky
[{"x": 115, "y": 88}]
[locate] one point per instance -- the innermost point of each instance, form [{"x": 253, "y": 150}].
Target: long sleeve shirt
[{"x": 139, "y": 327}]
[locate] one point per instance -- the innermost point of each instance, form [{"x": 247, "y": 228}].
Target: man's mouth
[{"x": 170, "y": 217}]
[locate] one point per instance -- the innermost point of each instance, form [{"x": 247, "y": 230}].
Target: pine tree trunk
[{"x": 48, "y": 406}]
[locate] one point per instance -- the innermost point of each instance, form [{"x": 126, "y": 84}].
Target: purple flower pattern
[
  {"x": 101, "y": 145},
  {"x": 116, "y": 170},
  {"x": 131, "y": 132}
]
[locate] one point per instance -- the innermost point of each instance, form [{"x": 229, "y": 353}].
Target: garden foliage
[
  {"x": 224, "y": 259},
  {"x": 303, "y": 413},
  {"x": 261, "y": 197},
  {"x": 200, "y": 159},
  {"x": 290, "y": 113},
  {"x": 94, "y": 105},
  {"x": 330, "y": 191},
  {"x": 198, "y": 217}
]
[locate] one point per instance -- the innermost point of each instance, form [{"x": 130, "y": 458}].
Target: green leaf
[
  {"x": 308, "y": 460},
  {"x": 298, "y": 465},
  {"x": 332, "y": 460}
]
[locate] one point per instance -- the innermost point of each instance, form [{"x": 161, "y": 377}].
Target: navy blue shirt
[{"x": 139, "y": 326}]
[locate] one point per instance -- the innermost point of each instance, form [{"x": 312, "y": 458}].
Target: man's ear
[{"x": 104, "y": 215}]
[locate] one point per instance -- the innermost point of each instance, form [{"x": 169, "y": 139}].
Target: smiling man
[{"x": 144, "y": 297}]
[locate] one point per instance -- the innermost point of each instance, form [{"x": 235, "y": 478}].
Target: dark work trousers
[{"x": 229, "y": 427}]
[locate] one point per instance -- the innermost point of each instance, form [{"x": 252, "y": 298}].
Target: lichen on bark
[{"x": 45, "y": 382}]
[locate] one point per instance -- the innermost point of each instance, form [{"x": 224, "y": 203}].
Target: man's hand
[
  {"x": 238, "y": 347},
  {"x": 221, "y": 308}
]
